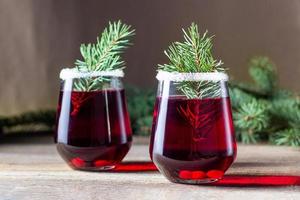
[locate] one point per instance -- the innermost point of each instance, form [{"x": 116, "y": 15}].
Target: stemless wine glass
[
  {"x": 192, "y": 137},
  {"x": 93, "y": 127}
]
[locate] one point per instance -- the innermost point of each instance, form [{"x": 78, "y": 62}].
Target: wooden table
[{"x": 30, "y": 169}]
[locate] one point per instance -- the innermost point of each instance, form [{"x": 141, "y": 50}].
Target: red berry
[
  {"x": 101, "y": 163},
  {"x": 185, "y": 174},
  {"x": 215, "y": 174},
  {"x": 77, "y": 162},
  {"x": 198, "y": 175}
]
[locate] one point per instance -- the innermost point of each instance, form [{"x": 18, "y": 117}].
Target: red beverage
[
  {"x": 196, "y": 143},
  {"x": 93, "y": 131}
]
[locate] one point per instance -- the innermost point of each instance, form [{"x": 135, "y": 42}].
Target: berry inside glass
[
  {"x": 192, "y": 138},
  {"x": 93, "y": 127}
]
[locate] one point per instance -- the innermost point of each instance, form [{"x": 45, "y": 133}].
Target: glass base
[
  {"x": 95, "y": 169},
  {"x": 100, "y": 158},
  {"x": 197, "y": 182}
]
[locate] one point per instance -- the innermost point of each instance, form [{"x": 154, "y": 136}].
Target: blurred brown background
[{"x": 39, "y": 37}]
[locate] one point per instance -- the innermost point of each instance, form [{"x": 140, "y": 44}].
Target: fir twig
[
  {"x": 104, "y": 55},
  {"x": 290, "y": 137},
  {"x": 278, "y": 116},
  {"x": 263, "y": 73},
  {"x": 193, "y": 55},
  {"x": 250, "y": 119},
  {"x": 43, "y": 117}
]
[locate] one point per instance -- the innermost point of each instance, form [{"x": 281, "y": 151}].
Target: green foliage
[
  {"x": 104, "y": 55},
  {"x": 43, "y": 117},
  {"x": 143, "y": 125},
  {"x": 46, "y": 117},
  {"x": 240, "y": 97},
  {"x": 290, "y": 137},
  {"x": 262, "y": 71},
  {"x": 140, "y": 105},
  {"x": 288, "y": 109},
  {"x": 272, "y": 113},
  {"x": 251, "y": 118},
  {"x": 192, "y": 55}
]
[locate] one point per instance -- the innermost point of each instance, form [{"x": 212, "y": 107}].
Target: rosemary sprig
[
  {"x": 104, "y": 55},
  {"x": 193, "y": 55}
]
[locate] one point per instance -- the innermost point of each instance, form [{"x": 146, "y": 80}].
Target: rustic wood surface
[{"x": 30, "y": 169}]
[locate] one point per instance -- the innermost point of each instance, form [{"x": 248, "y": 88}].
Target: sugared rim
[
  {"x": 179, "y": 77},
  {"x": 70, "y": 73}
]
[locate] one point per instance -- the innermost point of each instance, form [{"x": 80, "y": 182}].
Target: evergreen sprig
[
  {"x": 262, "y": 71},
  {"x": 239, "y": 97},
  {"x": 250, "y": 119},
  {"x": 289, "y": 137},
  {"x": 193, "y": 55},
  {"x": 140, "y": 107},
  {"x": 273, "y": 114},
  {"x": 42, "y": 117},
  {"x": 287, "y": 109},
  {"x": 104, "y": 55}
]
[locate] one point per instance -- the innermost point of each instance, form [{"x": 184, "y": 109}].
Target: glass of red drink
[
  {"x": 93, "y": 128},
  {"x": 192, "y": 137}
]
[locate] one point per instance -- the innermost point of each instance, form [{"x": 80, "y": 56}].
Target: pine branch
[
  {"x": 140, "y": 107},
  {"x": 239, "y": 97},
  {"x": 290, "y": 137},
  {"x": 250, "y": 119},
  {"x": 262, "y": 71},
  {"x": 104, "y": 55},
  {"x": 45, "y": 117},
  {"x": 279, "y": 122},
  {"x": 193, "y": 55},
  {"x": 143, "y": 125},
  {"x": 287, "y": 109}
]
